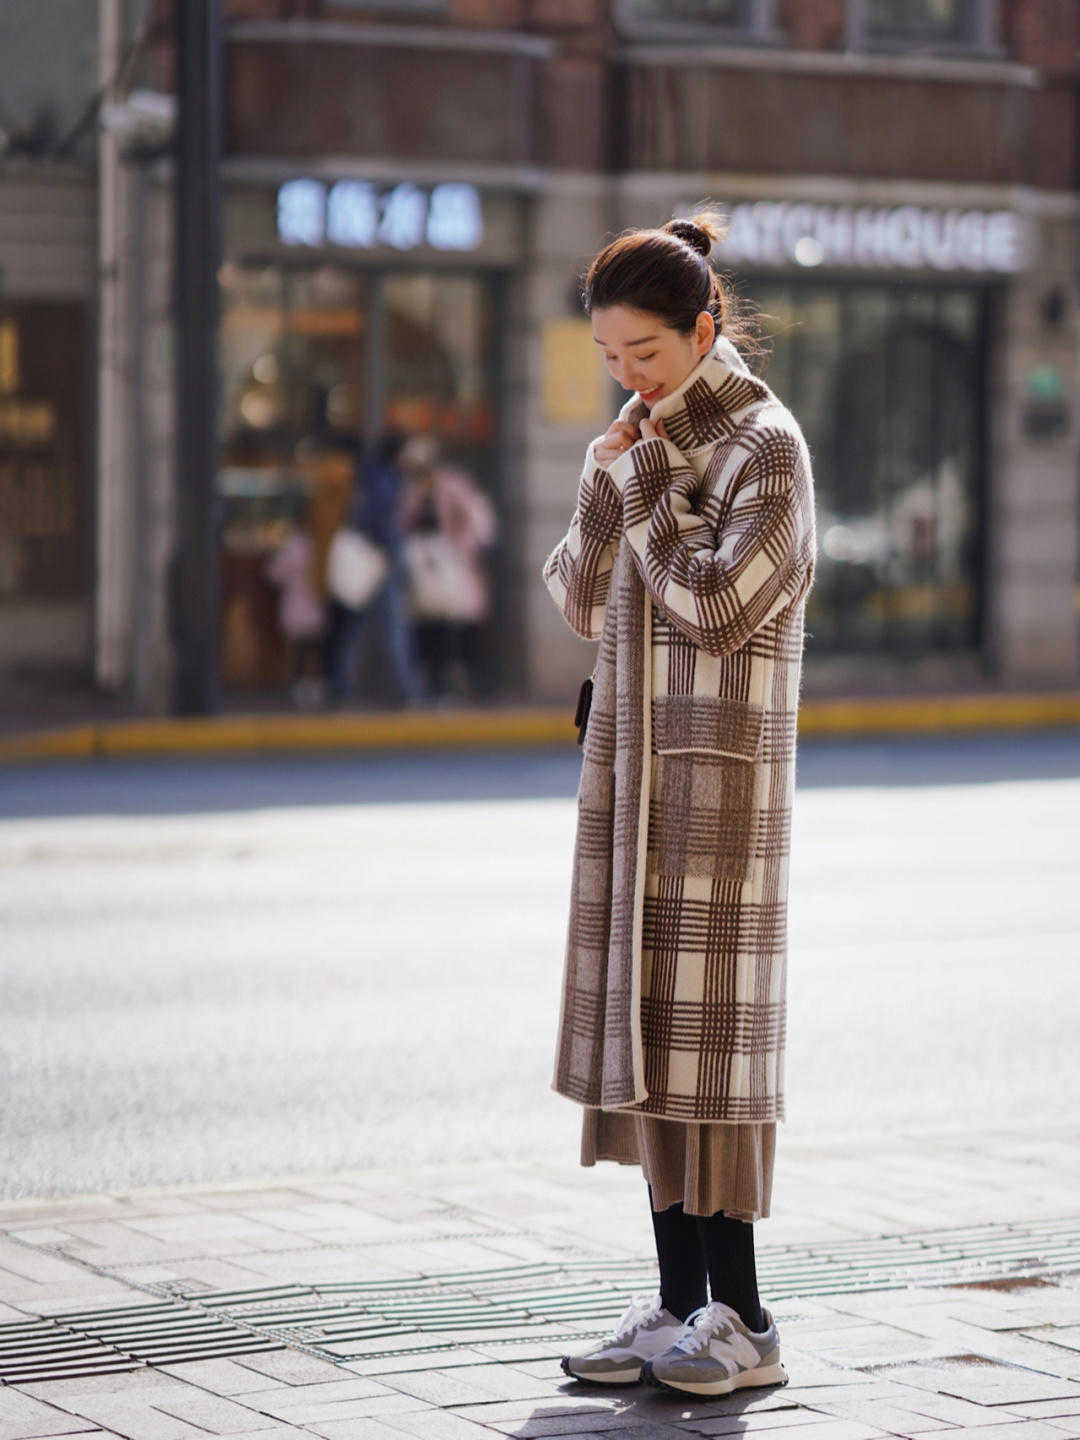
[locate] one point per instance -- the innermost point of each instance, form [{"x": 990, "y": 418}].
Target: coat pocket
[{"x": 706, "y": 767}]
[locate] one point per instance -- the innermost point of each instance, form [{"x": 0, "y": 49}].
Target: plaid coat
[{"x": 689, "y": 559}]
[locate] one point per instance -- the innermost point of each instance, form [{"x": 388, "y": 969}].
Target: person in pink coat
[
  {"x": 440, "y": 499},
  {"x": 301, "y": 611}
]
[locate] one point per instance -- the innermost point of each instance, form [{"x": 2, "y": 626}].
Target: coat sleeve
[
  {"x": 720, "y": 587},
  {"x": 578, "y": 571}
]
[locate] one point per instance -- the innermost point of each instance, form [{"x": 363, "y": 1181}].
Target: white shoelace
[
  {"x": 707, "y": 1322},
  {"x": 641, "y": 1307}
]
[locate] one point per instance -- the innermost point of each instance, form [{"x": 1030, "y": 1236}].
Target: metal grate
[{"x": 366, "y": 1320}]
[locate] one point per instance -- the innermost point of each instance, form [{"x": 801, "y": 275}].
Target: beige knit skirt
[{"x": 707, "y": 1165}]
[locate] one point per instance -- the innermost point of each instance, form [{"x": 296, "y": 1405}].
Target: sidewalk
[
  {"x": 924, "y": 1285},
  {"x": 493, "y": 724}
]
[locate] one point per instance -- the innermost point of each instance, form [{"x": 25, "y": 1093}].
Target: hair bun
[{"x": 693, "y": 234}]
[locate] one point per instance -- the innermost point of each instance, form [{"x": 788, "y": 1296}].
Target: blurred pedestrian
[
  {"x": 689, "y": 556},
  {"x": 301, "y": 611},
  {"x": 384, "y": 620},
  {"x": 449, "y": 522}
]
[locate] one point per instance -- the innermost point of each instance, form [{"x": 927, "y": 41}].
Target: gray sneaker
[
  {"x": 717, "y": 1353},
  {"x": 644, "y": 1330}
]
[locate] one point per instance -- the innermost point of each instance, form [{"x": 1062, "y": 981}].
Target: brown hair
[{"x": 666, "y": 271}]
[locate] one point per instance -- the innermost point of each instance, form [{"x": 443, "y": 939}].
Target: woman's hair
[{"x": 666, "y": 271}]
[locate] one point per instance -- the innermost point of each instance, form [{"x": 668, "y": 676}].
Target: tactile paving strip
[
  {"x": 366, "y": 1320},
  {"x": 96, "y": 1342}
]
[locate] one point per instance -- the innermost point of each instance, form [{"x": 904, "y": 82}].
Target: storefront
[
  {"x": 880, "y": 322},
  {"x": 350, "y": 306}
]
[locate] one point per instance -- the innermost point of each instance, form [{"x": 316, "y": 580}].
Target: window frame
[
  {"x": 978, "y": 41},
  {"x": 757, "y": 24}
]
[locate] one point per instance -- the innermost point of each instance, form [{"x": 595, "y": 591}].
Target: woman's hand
[
  {"x": 621, "y": 434},
  {"x": 649, "y": 431},
  {"x": 618, "y": 437}
]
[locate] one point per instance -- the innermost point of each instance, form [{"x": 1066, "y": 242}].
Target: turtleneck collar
[{"x": 708, "y": 403}]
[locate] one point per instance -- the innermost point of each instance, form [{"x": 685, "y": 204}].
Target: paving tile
[
  {"x": 792, "y": 1419},
  {"x": 984, "y": 1382},
  {"x": 142, "y": 1385},
  {"x": 1021, "y": 1430},
  {"x": 92, "y": 1432},
  {"x": 40, "y": 1235},
  {"x": 292, "y": 1367},
  {"x": 438, "y": 1425},
  {"x": 342, "y": 1387},
  {"x": 38, "y": 1267},
  {"x": 111, "y": 1242},
  {"x": 137, "y": 1420},
  {"x": 507, "y": 1382},
  {"x": 541, "y": 1424},
  {"x": 603, "y": 1403},
  {"x": 1047, "y": 1409},
  {"x": 272, "y": 1432},
  {"x": 222, "y": 1377},
  {"x": 1067, "y": 1336},
  {"x": 313, "y": 1414},
  {"x": 858, "y": 1345},
  {"x": 387, "y": 1365},
  {"x": 819, "y": 1428},
  {"x": 360, "y": 1427},
  {"x": 442, "y": 1387},
  {"x": 204, "y": 1273},
  {"x": 243, "y": 1197},
  {"x": 23, "y": 1415},
  {"x": 214, "y": 1413},
  {"x": 965, "y": 1414},
  {"x": 882, "y": 1414},
  {"x": 18, "y": 1214}
]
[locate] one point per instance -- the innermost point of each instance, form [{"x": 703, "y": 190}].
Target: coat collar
[{"x": 708, "y": 404}]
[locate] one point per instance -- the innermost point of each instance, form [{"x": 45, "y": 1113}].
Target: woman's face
[{"x": 644, "y": 354}]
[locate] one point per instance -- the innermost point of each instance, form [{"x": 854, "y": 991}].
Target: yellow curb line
[{"x": 414, "y": 730}]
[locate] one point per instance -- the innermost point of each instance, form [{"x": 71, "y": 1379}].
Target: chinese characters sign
[{"x": 362, "y": 214}]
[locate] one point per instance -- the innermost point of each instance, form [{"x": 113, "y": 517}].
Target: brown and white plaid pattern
[{"x": 690, "y": 558}]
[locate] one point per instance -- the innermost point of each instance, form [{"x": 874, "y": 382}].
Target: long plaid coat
[{"x": 690, "y": 559}]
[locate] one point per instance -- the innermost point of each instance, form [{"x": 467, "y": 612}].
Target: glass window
[
  {"x": 316, "y": 358},
  {"x": 718, "y": 12},
  {"x": 673, "y": 20},
  {"x": 917, "y": 19},
  {"x": 885, "y": 382}
]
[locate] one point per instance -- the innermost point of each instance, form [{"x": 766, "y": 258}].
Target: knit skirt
[{"x": 709, "y": 1166}]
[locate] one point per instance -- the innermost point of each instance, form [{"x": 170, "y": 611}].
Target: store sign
[
  {"x": 361, "y": 214},
  {"x": 767, "y": 232}
]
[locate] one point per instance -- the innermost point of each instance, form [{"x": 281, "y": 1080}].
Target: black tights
[{"x": 702, "y": 1252}]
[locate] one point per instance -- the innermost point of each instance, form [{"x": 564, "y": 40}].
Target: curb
[{"x": 532, "y": 725}]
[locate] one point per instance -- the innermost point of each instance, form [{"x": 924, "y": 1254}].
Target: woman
[
  {"x": 689, "y": 557},
  {"x": 440, "y": 499},
  {"x": 375, "y": 511}
]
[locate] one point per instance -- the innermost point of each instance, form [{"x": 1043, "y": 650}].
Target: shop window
[
  {"x": 946, "y": 26},
  {"x": 697, "y": 19},
  {"x": 317, "y": 358},
  {"x": 886, "y": 382},
  {"x": 423, "y": 6}
]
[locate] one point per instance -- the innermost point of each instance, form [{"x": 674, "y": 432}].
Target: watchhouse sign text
[{"x": 768, "y": 232}]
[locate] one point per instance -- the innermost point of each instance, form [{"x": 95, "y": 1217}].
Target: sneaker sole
[
  {"x": 630, "y": 1376},
  {"x": 764, "y": 1375}
]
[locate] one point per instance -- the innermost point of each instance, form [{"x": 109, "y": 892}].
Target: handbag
[
  {"x": 355, "y": 568},
  {"x": 584, "y": 705},
  {"x": 439, "y": 577}
]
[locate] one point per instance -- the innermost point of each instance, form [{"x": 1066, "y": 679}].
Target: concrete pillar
[{"x": 570, "y": 224}]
